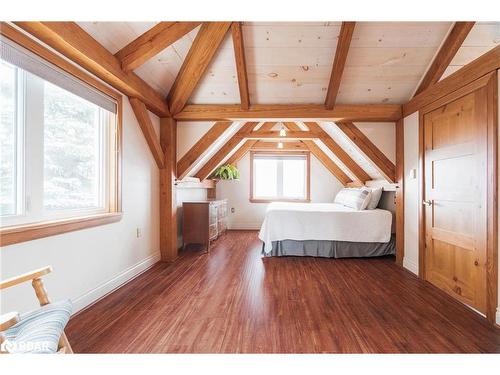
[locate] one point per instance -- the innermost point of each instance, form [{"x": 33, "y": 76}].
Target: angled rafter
[
  {"x": 186, "y": 163},
  {"x": 225, "y": 150},
  {"x": 200, "y": 55},
  {"x": 474, "y": 70},
  {"x": 446, "y": 53},
  {"x": 152, "y": 42},
  {"x": 343, "y": 44},
  {"x": 372, "y": 152},
  {"x": 241, "y": 66},
  {"x": 290, "y": 112},
  {"x": 146, "y": 125},
  {"x": 247, "y": 146},
  {"x": 360, "y": 175},
  {"x": 322, "y": 157},
  {"x": 73, "y": 42}
]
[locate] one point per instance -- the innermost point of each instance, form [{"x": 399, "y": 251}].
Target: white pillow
[
  {"x": 354, "y": 198},
  {"x": 376, "y": 193}
]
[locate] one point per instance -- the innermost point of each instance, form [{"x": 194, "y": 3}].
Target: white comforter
[{"x": 323, "y": 221}]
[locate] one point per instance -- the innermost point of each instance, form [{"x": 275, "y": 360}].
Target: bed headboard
[{"x": 387, "y": 202}]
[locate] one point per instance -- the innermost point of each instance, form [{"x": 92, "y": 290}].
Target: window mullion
[{"x": 34, "y": 137}]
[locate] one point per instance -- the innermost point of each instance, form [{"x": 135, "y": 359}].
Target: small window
[
  {"x": 58, "y": 139},
  {"x": 279, "y": 177}
]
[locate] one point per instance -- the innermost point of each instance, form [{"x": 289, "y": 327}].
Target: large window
[
  {"x": 58, "y": 143},
  {"x": 279, "y": 177}
]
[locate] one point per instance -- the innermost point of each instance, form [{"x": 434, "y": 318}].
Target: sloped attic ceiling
[{"x": 291, "y": 62}]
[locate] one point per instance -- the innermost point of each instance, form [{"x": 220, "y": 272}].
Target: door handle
[{"x": 427, "y": 203}]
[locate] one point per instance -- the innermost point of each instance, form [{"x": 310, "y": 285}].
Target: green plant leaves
[{"x": 227, "y": 172}]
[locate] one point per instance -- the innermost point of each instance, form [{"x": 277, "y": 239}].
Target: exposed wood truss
[
  {"x": 377, "y": 157},
  {"x": 248, "y": 145},
  {"x": 294, "y": 132},
  {"x": 241, "y": 66},
  {"x": 73, "y": 42},
  {"x": 225, "y": 150},
  {"x": 276, "y": 135},
  {"x": 146, "y": 125},
  {"x": 360, "y": 175},
  {"x": 187, "y": 162},
  {"x": 322, "y": 157},
  {"x": 341, "y": 52},
  {"x": 483, "y": 65},
  {"x": 446, "y": 53},
  {"x": 273, "y": 146},
  {"x": 200, "y": 55},
  {"x": 152, "y": 42},
  {"x": 290, "y": 112}
]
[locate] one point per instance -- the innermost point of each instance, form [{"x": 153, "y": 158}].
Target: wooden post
[
  {"x": 400, "y": 193},
  {"x": 168, "y": 201}
]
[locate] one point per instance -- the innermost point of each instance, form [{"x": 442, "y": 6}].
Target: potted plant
[{"x": 227, "y": 172}]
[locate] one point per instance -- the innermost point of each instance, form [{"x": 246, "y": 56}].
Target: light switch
[{"x": 413, "y": 173}]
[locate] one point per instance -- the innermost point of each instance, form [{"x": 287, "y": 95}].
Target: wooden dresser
[{"x": 203, "y": 221}]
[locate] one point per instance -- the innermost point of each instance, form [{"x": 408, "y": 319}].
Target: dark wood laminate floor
[{"x": 234, "y": 301}]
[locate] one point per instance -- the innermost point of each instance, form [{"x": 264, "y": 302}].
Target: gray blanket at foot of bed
[{"x": 331, "y": 249}]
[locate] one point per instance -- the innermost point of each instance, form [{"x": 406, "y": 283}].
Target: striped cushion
[
  {"x": 353, "y": 198},
  {"x": 38, "y": 331}
]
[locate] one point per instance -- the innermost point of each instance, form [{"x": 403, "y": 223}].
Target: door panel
[{"x": 455, "y": 197}]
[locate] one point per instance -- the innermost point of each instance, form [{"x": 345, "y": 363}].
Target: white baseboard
[
  {"x": 100, "y": 291},
  {"x": 410, "y": 265},
  {"x": 498, "y": 316},
  {"x": 242, "y": 225}
]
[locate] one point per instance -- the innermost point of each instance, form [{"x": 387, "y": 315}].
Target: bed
[{"x": 325, "y": 230}]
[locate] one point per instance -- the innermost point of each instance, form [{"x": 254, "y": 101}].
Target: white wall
[
  {"x": 410, "y": 260},
  {"x": 248, "y": 215},
  {"x": 89, "y": 263}
]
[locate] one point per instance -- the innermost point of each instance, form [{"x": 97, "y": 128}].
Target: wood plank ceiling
[{"x": 291, "y": 63}]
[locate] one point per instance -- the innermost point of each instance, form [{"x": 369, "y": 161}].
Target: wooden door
[{"x": 455, "y": 198}]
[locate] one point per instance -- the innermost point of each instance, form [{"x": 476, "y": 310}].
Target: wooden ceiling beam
[
  {"x": 275, "y": 135},
  {"x": 187, "y": 162},
  {"x": 290, "y": 112},
  {"x": 241, "y": 66},
  {"x": 360, "y": 175},
  {"x": 273, "y": 146},
  {"x": 247, "y": 146},
  {"x": 372, "y": 152},
  {"x": 329, "y": 164},
  {"x": 152, "y": 42},
  {"x": 73, "y": 42},
  {"x": 147, "y": 128},
  {"x": 478, "y": 68},
  {"x": 446, "y": 53},
  {"x": 344, "y": 41},
  {"x": 225, "y": 150},
  {"x": 203, "y": 49}
]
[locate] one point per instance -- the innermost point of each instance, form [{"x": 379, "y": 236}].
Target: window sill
[
  {"x": 27, "y": 232},
  {"x": 252, "y": 200}
]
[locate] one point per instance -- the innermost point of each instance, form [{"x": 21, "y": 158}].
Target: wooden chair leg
[
  {"x": 64, "y": 343},
  {"x": 40, "y": 291},
  {"x": 43, "y": 298}
]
